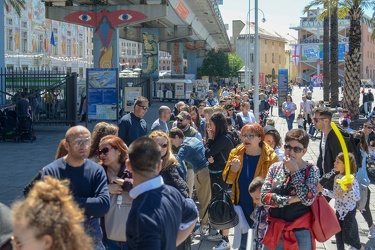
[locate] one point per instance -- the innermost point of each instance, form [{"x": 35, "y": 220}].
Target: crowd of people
[{"x": 124, "y": 187}]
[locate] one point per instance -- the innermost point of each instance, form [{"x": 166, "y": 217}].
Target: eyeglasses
[
  {"x": 143, "y": 107},
  {"x": 249, "y": 137},
  {"x": 79, "y": 142},
  {"x": 295, "y": 149},
  {"x": 317, "y": 119},
  {"x": 230, "y": 109},
  {"x": 103, "y": 151},
  {"x": 369, "y": 127},
  {"x": 165, "y": 145},
  {"x": 179, "y": 119}
]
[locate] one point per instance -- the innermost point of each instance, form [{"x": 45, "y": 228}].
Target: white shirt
[
  {"x": 249, "y": 118},
  {"x": 306, "y": 106},
  {"x": 300, "y": 121},
  {"x": 349, "y": 199}
]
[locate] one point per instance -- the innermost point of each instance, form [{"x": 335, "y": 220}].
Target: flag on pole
[
  {"x": 52, "y": 40},
  {"x": 296, "y": 54}
]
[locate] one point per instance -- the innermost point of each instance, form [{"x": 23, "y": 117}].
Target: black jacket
[
  {"x": 172, "y": 178},
  {"x": 219, "y": 149},
  {"x": 332, "y": 149}
]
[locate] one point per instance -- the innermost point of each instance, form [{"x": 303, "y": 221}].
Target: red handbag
[{"x": 324, "y": 222}]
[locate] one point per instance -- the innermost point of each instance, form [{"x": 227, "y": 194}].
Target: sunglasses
[
  {"x": 165, "y": 145},
  {"x": 230, "y": 109},
  {"x": 103, "y": 151},
  {"x": 317, "y": 119},
  {"x": 369, "y": 127},
  {"x": 143, "y": 107},
  {"x": 295, "y": 149},
  {"x": 179, "y": 120},
  {"x": 79, "y": 142}
]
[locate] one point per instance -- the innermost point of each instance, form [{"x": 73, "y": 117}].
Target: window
[
  {"x": 265, "y": 41},
  {"x": 265, "y": 58},
  {"x": 279, "y": 59},
  {"x": 24, "y": 24},
  {"x": 9, "y": 40},
  {"x": 55, "y": 31},
  {"x": 9, "y": 21},
  {"x": 80, "y": 49},
  {"x": 69, "y": 33},
  {"x": 40, "y": 43},
  {"x": 24, "y": 41},
  {"x": 55, "y": 48},
  {"x": 272, "y": 43},
  {"x": 69, "y": 47},
  {"x": 251, "y": 57},
  {"x": 273, "y": 57}
]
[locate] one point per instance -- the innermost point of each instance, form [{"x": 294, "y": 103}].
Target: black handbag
[{"x": 221, "y": 213}]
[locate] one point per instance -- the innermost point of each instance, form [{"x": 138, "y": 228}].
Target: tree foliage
[
  {"x": 215, "y": 64},
  {"x": 235, "y": 64},
  {"x": 18, "y": 5}
]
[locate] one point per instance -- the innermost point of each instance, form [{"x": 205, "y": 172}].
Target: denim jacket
[{"x": 192, "y": 151}]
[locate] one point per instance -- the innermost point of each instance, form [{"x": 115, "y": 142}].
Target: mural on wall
[
  {"x": 150, "y": 53},
  {"x": 38, "y": 10},
  {"x": 104, "y": 24},
  {"x": 177, "y": 62}
]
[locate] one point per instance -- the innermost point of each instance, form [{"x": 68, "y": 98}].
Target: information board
[
  {"x": 130, "y": 95},
  {"x": 282, "y": 87},
  {"x": 102, "y": 93}
]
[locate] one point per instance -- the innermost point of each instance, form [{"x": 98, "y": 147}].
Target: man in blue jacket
[
  {"x": 160, "y": 217},
  {"x": 88, "y": 181},
  {"x": 191, "y": 150}
]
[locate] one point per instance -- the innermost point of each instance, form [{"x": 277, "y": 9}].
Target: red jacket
[{"x": 278, "y": 226}]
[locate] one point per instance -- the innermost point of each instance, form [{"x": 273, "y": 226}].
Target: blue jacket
[{"x": 192, "y": 151}]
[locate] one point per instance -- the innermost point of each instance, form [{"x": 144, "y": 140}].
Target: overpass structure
[{"x": 185, "y": 28}]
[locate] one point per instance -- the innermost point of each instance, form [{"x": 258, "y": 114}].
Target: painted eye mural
[{"x": 104, "y": 24}]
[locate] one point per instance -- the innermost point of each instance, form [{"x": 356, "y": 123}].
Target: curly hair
[
  {"x": 168, "y": 158},
  {"x": 352, "y": 162},
  {"x": 49, "y": 209},
  {"x": 100, "y": 130},
  {"x": 118, "y": 144}
]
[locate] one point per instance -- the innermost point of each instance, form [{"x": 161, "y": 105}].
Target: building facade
[
  {"x": 272, "y": 52},
  {"x": 309, "y": 48}
]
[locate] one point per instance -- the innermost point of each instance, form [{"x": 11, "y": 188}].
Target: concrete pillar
[
  {"x": 2, "y": 53},
  {"x": 200, "y": 61},
  {"x": 150, "y": 52},
  {"x": 105, "y": 45},
  {"x": 192, "y": 62}
]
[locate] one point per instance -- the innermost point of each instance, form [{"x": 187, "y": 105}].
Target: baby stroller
[
  {"x": 9, "y": 126},
  {"x": 25, "y": 129}
]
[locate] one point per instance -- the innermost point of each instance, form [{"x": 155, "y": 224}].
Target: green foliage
[
  {"x": 216, "y": 64},
  {"x": 235, "y": 64},
  {"x": 18, "y": 5}
]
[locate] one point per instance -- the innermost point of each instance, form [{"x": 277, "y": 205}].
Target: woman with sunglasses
[
  {"x": 113, "y": 153},
  {"x": 171, "y": 169},
  {"x": 237, "y": 122},
  {"x": 250, "y": 159},
  {"x": 288, "y": 109},
  {"x": 100, "y": 130},
  {"x": 289, "y": 190}
]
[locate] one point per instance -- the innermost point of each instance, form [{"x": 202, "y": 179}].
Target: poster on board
[
  {"x": 102, "y": 93},
  {"x": 179, "y": 89},
  {"x": 130, "y": 95}
]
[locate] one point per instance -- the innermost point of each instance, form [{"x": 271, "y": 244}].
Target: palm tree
[
  {"x": 334, "y": 57},
  {"x": 18, "y": 5},
  {"x": 354, "y": 9}
]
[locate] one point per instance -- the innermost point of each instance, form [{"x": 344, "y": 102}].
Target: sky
[{"x": 280, "y": 14}]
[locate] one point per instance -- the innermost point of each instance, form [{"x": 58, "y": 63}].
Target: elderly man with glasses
[
  {"x": 132, "y": 125},
  {"x": 88, "y": 181}
]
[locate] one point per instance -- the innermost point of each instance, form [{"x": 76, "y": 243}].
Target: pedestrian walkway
[{"x": 21, "y": 161}]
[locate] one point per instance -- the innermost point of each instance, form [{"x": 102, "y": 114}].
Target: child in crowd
[
  {"x": 260, "y": 213},
  {"x": 300, "y": 120},
  {"x": 345, "y": 204}
]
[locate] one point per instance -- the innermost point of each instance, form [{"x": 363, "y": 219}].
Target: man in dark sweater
[
  {"x": 160, "y": 217},
  {"x": 88, "y": 181},
  {"x": 132, "y": 125}
]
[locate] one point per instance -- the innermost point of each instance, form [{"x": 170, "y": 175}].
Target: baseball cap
[
  {"x": 269, "y": 128},
  {"x": 183, "y": 115}
]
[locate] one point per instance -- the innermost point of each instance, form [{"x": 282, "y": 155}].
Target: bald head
[{"x": 77, "y": 131}]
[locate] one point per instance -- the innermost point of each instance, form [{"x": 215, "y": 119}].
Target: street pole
[{"x": 256, "y": 64}]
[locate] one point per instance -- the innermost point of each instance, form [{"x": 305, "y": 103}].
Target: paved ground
[{"x": 21, "y": 161}]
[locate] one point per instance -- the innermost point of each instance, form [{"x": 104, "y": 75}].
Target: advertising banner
[{"x": 102, "y": 94}]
